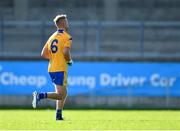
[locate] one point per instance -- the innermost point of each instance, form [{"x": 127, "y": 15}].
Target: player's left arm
[
  {"x": 45, "y": 52},
  {"x": 67, "y": 51}
]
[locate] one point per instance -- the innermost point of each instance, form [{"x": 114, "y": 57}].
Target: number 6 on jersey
[{"x": 54, "y": 47}]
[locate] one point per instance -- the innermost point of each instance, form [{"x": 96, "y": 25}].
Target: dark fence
[{"x": 105, "y": 39}]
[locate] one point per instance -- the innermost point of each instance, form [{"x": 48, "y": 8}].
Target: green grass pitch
[{"x": 90, "y": 120}]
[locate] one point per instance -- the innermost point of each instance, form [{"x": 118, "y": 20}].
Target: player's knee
[
  {"x": 62, "y": 93},
  {"x": 59, "y": 96}
]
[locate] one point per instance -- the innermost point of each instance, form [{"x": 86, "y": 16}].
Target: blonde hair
[{"x": 58, "y": 17}]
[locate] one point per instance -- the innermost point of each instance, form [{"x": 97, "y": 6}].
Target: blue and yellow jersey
[{"x": 55, "y": 45}]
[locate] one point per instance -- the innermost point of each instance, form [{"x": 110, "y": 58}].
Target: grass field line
[
  {"x": 94, "y": 120},
  {"x": 89, "y": 130}
]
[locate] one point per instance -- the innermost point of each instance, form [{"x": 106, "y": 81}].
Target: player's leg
[
  {"x": 57, "y": 78},
  {"x": 54, "y": 95},
  {"x": 39, "y": 96},
  {"x": 62, "y": 91},
  {"x": 60, "y": 82}
]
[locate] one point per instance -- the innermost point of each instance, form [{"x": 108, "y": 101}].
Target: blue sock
[
  {"x": 42, "y": 95},
  {"x": 58, "y": 114}
]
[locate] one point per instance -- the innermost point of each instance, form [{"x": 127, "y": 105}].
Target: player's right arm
[{"x": 45, "y": 52}]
